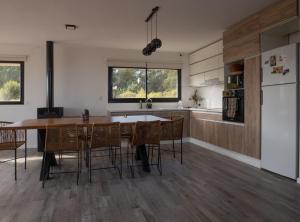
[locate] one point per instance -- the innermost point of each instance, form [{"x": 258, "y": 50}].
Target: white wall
[
  {"x": 34, "y": 84},
  {"x": 80, "y": 78},
  {"x": 212, "y": 96}
]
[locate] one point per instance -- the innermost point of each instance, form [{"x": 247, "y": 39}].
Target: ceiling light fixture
[
  {"x": 156, "y": 42},
  {"x": 71, "y": 27}
]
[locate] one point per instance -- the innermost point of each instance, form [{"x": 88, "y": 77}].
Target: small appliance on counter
[
  {"x": 233, "y": 105},
  {"x": 86, "y": 115},
  {"x": 179, "y": 105},
  {"x": 148, "y": 103}
]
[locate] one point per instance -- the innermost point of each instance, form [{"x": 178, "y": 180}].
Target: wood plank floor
[{"x": 207, "y": 187}]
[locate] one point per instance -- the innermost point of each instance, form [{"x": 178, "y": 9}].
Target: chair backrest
[
  {"x": 148, "y": 132},
  {"x": 7, "y": 137},
  {"x": 64, "y": 137},
  {"x": 105, "y": 135},
  {"x": 177, "y": 124},
  {"x": 126, "y": 130},
  {"x": 166, "y": 130}
]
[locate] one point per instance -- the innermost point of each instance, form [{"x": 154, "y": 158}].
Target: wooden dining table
[{"x": 32, "y": 124}]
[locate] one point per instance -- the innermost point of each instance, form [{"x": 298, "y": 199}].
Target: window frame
[
  {"x": 136, "y": 100},
  {"x": 21, "y": 102}
]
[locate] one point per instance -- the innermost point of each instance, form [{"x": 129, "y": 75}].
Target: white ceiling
[{"x": 184, "y": 25}]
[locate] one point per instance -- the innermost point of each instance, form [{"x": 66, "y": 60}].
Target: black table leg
[
  {"x": 141, "y": 154},
  {"x": 49, "y": 161}
]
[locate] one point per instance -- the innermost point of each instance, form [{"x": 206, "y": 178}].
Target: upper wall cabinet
[
  {"x": 243, "y": 48},
  {"x": 279, "y": 12},
  {"x": 207, "y": 52},
  {"x": 242, "y": 40},
  {"x": 207, "y": 66},
  {"x": 245, "y": 27}
]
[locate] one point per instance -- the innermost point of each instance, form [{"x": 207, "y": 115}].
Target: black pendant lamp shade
[{"x": 155, "y": 43}]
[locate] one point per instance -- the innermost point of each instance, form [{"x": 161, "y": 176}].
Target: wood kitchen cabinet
[
  {"x": 241, "y": 29},
  {"x": 207, "y": 128},
  {"x": 252, "y": 82},
  {"x": 278, "y": 12},
  {"x": 243, "y": 48}
]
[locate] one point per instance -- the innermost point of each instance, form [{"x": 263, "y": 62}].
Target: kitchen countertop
[
  {"x": 201, "y": 110},
  {"x": 216, "y": 110}
]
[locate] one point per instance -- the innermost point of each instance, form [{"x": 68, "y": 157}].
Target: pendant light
[{"x": 156, "y": 42}]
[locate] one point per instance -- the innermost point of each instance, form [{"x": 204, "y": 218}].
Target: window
[
  {"x": 135, "y": 84},
  {"x": 11, "y": 82}
]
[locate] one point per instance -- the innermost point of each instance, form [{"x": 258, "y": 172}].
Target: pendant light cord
[
  {"x": 147, "y": 34},
  {"x": 156, "y": 23},
  {"x": 151, "y": 28}
]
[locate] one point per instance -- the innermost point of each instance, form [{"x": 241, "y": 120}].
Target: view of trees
[
  {"x": 131, "y": 83},
  {"x": 10, "y": 78}
]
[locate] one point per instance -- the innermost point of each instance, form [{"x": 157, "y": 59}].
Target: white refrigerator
[{"x": 279, "y": 134}]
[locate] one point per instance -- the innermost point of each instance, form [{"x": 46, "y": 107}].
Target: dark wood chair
[
  {"x": 146, "y": 134},
  {"x": 106, "y": 138},
  {"x": 62, "y": 139},
  {"x": 11, "y": 139},
  {"x": 172, "y": 131}
]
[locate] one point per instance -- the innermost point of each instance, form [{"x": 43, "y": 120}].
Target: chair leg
[
  {"x": 132, "y": 163},
  {"x": 152, "y": 148},
  {"x": 115, "y": 156},
  {"x": 15, "y": 164},
  {"x": 25, "y": 166},
  {"x": 173, "y": 149},
  {"x": 181, "y": 150},
  {"x": 121, "y": 164},
  {"x": 44, "y": 174},
  {"x": 78, "y": 166},
  {"x": 127, "y": 155},
  {"x": 90, "y": 164},
  {"x": 159, "y": 161}
]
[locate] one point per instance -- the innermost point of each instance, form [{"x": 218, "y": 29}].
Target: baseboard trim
[
  {"x": 298, "y": 180},
  {"x": 184, "y": 140},
  {"x": 234, "y": 155}
]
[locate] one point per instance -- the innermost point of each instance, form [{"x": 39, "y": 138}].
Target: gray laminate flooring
[{"x": 207, "y": 187}]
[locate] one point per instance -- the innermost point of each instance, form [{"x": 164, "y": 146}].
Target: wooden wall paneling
[
  {"x": 246, "y": 47},
  {"x": 252, "y": 81},
  {"x": 278, "y": 12}
]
